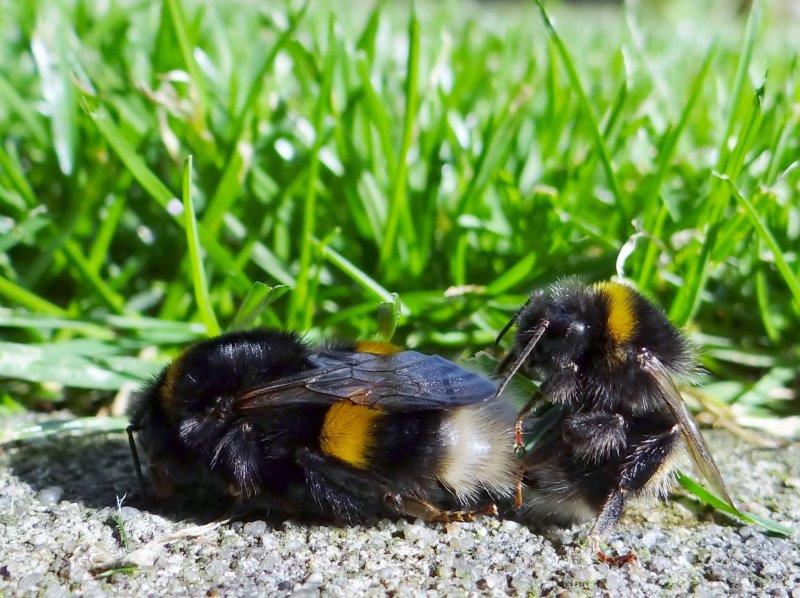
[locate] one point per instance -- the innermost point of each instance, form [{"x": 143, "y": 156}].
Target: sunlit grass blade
[
  {"x": 398, "y": 200},
  {"x": 768, "y": 239},
  {"x": 181, "y": 28},
  {"x": 701, "y": 493},
  {"x": 256, "y": 301},
  {"x": 57, "y": 363},
  {"x": 199, "y": 282},
  {"x": 21, "y": 296},
  {"x": 388, "y": 317},
  {"x": 358, "y": 276},
  {"x": 300, "y": 309},
  {"x": 9, "y": 96},
  {"x": 159, "y": 192},
  {"x": 588, "y": 111},
  {"x": 665, "y": 156},
  {"x": 83, "y": 426},
  {"x": 49, "y": 49},
  {"x": 739, "y": 81},
  {"x": 229, "y": 183}
]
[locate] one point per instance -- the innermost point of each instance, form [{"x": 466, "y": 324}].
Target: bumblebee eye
[
  {"x": 220, "y": 408},
  {"x": 559, "y": 326},
  {"x": 578, "y": 328}
]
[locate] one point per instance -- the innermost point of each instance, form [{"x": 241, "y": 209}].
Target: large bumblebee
[
  {"x": 340, "y": 431},
  {"x": 607, "y": 359}
]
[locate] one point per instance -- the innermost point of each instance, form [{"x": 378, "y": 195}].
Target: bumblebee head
[
  {"x": 574, "y": 326},
  {"x": 568, "y": 317}
]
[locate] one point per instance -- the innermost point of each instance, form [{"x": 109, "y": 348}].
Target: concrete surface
[{"x": 59, "y": 530}]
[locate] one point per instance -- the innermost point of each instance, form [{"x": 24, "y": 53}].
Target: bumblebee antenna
[
  {"x": 135, "y": 454},
  {"x": 537, "y": 334},
  {"x": 511, "y": 322}
]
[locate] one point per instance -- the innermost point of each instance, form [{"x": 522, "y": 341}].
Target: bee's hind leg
[
  {"x": 647, "y": 467},
  {"x": 427, "y": 511},
  {"x": 605, "y": 522}
]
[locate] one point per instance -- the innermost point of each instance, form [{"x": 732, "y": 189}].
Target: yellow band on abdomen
[{"x": 348, "y": 432}]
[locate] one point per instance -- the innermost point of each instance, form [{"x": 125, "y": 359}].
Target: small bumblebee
[
  {"x": 340, "y": 431},
  {"x": 607, "y": 359}
]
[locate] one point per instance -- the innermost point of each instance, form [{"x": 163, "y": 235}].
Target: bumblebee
[
  {"x": 608, "y": 360},
  {"x": 342, "y": 431}
]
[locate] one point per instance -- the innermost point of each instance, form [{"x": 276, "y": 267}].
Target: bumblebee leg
[
  {"x": 646, "y": 460},
  {"x": 518, "y": 494},
  {"x": 430, "y": 513},
  {"x": 605, "y": 522}
]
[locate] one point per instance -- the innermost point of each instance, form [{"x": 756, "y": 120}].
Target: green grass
[{"x": 388, "y": 172}]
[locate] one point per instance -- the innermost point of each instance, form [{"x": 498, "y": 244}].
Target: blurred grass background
[{"x": 355, "y": 162}]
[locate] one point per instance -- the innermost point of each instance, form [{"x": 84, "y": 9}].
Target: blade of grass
[
  {"x": 108, "y": 226},
  {"x": 588, "y": 111},
  {"x": 24, "y": 108},
  {"x": 13, "y": 169},
  {"x": 513, "y": 276},
  {"x": 228, "y": 186},
  {"x": 745, "y": 57},
  {"x": 687, "y": 300},
  {"x": 180, "y": 26},
  {"x": 664, "y": 159},
  {"x": 161, "y": 194},
  {"x": 398, "y": 200},
  {"x": 300, "y": 309},
  {"x": 21, "y": 296},
  {"x": 88, "y": 274},
  {"x": 357, "y": 275},
  {"x": 388, "y": 316},
  {"x": 706, "y": 497},
  {"x": 786, "y": 272},
  {"x": 83, "y": 426},
  {"x": 193, "y": 242},
  {"x": 256, "y": 301},
  {"x": 49, "y": 50},
  {"x": 762, "y": 296},
  {"x": 59, "y": 363}
]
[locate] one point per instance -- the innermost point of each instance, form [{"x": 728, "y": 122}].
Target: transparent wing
[
  {"x": 698, "y": 449},
  {"x": 405, "y": 381}
]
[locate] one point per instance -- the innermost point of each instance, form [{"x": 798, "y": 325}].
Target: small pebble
[
  {"x": 614, "y": 582},
  {"x": 510, "y": 526},
  {"x": 255, "y": 528},
  {"x": 314, "y": 578},
  {"x": 50, "y": 495},
  {"x": 651, "y": 538},
  {"x": 586, "y": 575}
]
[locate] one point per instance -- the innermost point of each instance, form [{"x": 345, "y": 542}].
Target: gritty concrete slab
[{"x": 59, "y": 528}]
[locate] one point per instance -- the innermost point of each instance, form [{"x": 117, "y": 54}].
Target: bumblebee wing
[
  {"x": 405, "y": 381},
  {"x": 701, "y": 455}
]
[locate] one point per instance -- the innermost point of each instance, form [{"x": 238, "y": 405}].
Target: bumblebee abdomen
[
  {"x": 465, "y": 450},
  {"x": 477, "y": 455}
]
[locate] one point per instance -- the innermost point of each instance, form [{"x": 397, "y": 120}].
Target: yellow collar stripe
[
  {"x": 621, "y": 316},
  {"x": 348, "y": 432}
]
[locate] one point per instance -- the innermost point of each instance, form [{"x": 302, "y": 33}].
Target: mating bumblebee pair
[{"x": 349, "y": 431}]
